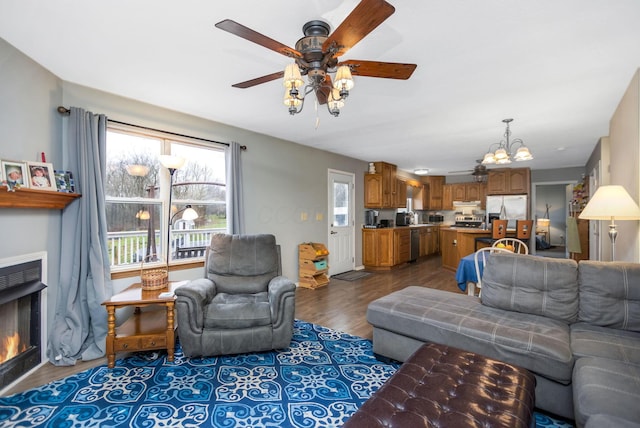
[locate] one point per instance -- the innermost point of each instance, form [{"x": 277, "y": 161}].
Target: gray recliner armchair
[{"x": 243, "y": 304}]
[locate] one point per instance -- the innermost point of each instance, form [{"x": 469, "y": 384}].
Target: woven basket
[{"x": 154, "y": 278}]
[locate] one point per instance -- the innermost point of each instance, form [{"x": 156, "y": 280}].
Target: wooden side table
[{"x": 144, "y": 330}]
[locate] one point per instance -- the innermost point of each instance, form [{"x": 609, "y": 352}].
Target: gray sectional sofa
[{"x": 576, "y": 327}]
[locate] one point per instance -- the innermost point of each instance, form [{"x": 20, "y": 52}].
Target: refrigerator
[{"x": 516, "y": 207}]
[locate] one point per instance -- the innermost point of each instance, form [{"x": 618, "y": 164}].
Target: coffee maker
[{"x": 370, "y": 218}]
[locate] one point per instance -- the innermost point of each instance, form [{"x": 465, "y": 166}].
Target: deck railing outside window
[{"x": 130, "y": 247}]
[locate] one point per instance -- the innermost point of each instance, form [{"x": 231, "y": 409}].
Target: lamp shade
[
  {"x": 189, "y": 214},
  {"x": 343, "y": 80},
  {"x": 137, "y": 170},
  {"x": 611, "y": 203},
  {"x": 171, "y": 162},
  {"x": 292, "y": 76}
]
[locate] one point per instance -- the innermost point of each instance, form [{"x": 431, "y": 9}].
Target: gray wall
[
  {"x": 281, "y": 178},
  {"x": 30, "y": 125}
]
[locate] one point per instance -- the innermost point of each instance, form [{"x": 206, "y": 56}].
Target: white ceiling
[{"x": 558, "y": 67}]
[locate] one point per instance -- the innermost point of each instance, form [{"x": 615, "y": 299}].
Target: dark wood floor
[{"x": 341, "y": 305}]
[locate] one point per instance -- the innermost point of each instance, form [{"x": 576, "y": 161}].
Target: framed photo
[
  {"x": 41, "y": 176},
  {"x": 64, "y": 181},
  {"x": 14, "y": 174}
]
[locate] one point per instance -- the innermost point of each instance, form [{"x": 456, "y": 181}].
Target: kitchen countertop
[{"x": 402, "y": 227}]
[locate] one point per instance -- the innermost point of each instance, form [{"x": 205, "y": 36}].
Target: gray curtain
[
  {"x": 235, "y": 205},
  {"x": 80, "y": 322}
]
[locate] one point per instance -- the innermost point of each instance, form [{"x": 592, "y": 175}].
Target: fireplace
[{"x": 22, "y": 316}]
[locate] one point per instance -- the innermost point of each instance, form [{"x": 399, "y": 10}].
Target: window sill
[{"x": 132, "y": 272}]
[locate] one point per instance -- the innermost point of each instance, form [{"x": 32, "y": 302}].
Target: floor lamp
[
  {"x": 172, "y": 163},
  {"x": 546, "y": 223},
  {"x": 611, "y": 203}
]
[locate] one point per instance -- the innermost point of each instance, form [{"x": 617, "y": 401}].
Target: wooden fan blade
[
  {"x": 322, "y": 94},
  {"x": 259, "y": 80},
  {"x": 360, "y": 22},
  {"x": 255, "y": 37},
  {"x": 386, "y": 70}
]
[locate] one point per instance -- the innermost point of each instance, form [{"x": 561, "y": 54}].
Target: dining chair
[
  {"x": 514, "y": 245},
  {"x": 480, "y": 260},
  {"x": 498, "y": 231}
]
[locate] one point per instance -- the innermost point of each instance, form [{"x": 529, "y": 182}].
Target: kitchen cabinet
[
  {"x": 449, "y": 248},
  {"x": 373, "y": 190},
  {"x": 380, "y": 189},
  {"x": 447, "y": 197},
  {"x": 463, "y": 192},
  {"x": 401, "y": 193},
  {"x": 401, "y": 245},
  {"x": 428, "y": 240},
  {"x": 509, "y": 181},
  {"x": 377, "y": 248},
  {"x": 433, "y": 192}
]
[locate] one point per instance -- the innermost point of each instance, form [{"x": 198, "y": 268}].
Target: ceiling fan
[
  {"x": 479, "y": 171},
  {"x": 316, "y": 54}
]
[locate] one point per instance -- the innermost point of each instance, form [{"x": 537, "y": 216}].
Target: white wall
[{"x": 624, "y": 140}]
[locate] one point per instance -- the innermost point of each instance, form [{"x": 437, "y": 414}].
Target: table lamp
[{"x": 611, "y": 203}]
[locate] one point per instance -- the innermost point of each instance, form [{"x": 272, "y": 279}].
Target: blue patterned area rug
[{"x": 319, "y": 381}]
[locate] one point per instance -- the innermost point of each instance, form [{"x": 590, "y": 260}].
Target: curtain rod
[{"x": 64, "y": 111}]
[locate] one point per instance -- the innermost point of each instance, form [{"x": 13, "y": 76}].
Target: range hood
[{"x": 466, "y": 203}]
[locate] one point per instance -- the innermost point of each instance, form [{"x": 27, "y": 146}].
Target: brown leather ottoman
[{"x": 440, "y": 386}]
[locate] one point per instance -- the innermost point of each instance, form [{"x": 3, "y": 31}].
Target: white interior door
[{"x": 341, "y": 222}]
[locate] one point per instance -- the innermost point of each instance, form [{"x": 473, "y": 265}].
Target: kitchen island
[{"x": 457, "y": 242}]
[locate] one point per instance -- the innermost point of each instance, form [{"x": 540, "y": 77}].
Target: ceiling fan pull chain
[{"x": 317, "y": 115}]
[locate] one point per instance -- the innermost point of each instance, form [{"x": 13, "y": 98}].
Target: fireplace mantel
[{"x": 34, "y": 198}]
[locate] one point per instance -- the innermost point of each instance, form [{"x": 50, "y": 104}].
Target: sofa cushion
[
  {"x": 602, "y": 420},
  {"x": 539, "y": 344},
  {"x": 604, "y": 386},
  {"x": 610, "y": 294},
  {"x": 589, "y": 340},
  {"x": 532, "y": 285},
  {"x": 237, "y": 311}
]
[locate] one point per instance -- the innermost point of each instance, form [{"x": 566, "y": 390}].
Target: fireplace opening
[{"x": 20, "y": 320}]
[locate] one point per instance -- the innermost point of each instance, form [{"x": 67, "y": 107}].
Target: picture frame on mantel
[
  {"x": 14, "y": 174},
  {"x": 64, "y": 181},
  {"x": 41, "y": 176}
]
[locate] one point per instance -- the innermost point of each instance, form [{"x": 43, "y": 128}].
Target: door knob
[{"x": 333, "y": 233}]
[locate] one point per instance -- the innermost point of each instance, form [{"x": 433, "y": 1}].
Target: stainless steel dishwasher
[{"x": 415, "y": 244}]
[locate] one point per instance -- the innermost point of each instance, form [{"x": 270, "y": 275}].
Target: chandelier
[{"x": 505, "y": 151}]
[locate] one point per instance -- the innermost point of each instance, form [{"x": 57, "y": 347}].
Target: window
[{"x": 137, "y": 197}]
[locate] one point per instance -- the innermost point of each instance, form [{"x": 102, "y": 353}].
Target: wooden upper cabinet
[
  {"x": 473, "y": 192},
  {"x": 509, "y": 181},
  {"x": 381, "y": 188},
  {"x": 447, "y": 197},
  {"x": 373, "y": 190},
  {"x": 520, "y": 180},
  {"x": 401, "y": 193},
  {"x": 459, "y": 191},
  {"x": 432, "y": 195}
]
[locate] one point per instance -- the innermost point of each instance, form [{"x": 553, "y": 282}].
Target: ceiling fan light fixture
[
  {"x": 292, "y": 76},
  {"x": 335, "y": 102},
  {"x": 344, "y": 79}
]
